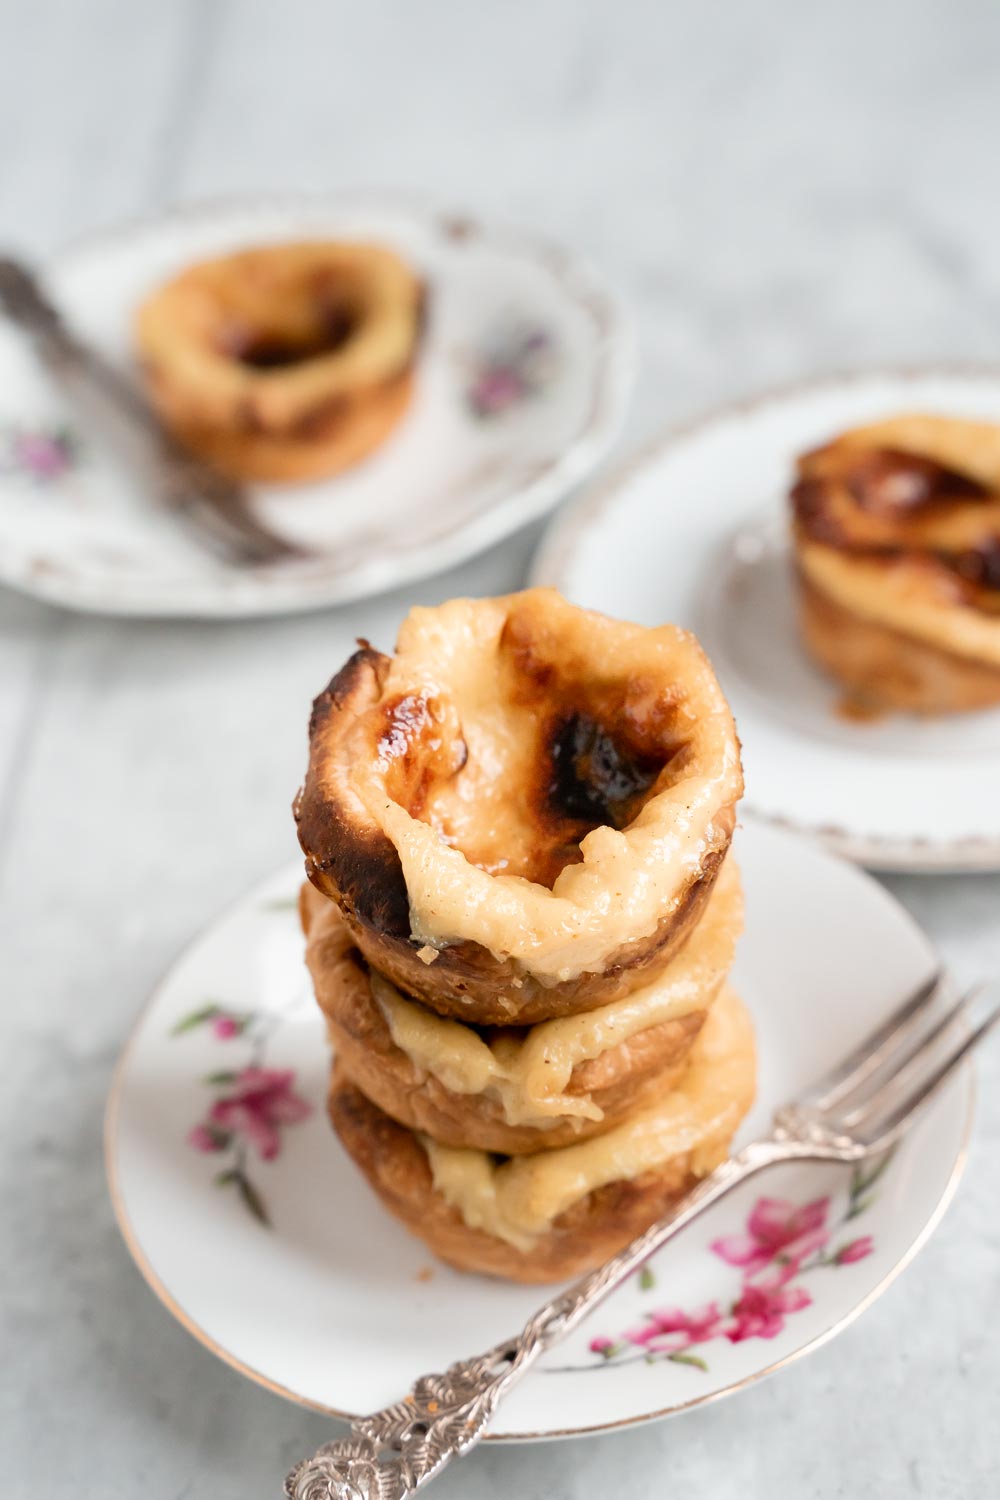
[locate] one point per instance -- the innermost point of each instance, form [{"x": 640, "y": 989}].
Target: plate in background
[
  {"x": 696, "y": 533},
  {"x": 521, "y": 388},
  {"x": 333, "y": 1304}
]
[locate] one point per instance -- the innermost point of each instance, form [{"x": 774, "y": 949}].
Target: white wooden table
[{"x": 778, "y": 191}]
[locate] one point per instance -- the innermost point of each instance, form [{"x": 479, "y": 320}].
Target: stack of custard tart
[{"x": 520, "y": 917}]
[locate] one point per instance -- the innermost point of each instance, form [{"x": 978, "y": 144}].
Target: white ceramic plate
[
  {"x": 333, "y": 1304},
  {"x": 695, "y": 533},
  {"x": 522, "y": 384}
]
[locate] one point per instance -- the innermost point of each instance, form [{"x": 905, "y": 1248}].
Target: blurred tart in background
[
  {"x": 286, "y": 362},
  {"x": 896, "y": 530}
]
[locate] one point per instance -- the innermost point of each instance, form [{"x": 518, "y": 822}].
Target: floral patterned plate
[
  {"x": 253, "y": 1227},
  {"x": 523, "y": 380}
]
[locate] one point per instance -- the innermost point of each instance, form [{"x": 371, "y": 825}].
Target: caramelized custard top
[
  {"x": 518, "y": 765},
  {"x": 553, "y": 781},
  {"x": 887, "y": 503}
]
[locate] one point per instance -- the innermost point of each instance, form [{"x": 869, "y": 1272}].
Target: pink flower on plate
[
  {"x": 261, "y": 1101},
  {"x": 671, "y": 1328},
  {"x": 44, "y": 455},
  {"x": 495, "y": 390},
  {"x": 600, "y": 1345},
  {"x": 855, "y": 1250},
  {"x": 226, "y": 1027},
  {"x": 777, "y": 1231},
  {"x": 205, "y": 1138},
  {"x": 760, "y": 1311}
]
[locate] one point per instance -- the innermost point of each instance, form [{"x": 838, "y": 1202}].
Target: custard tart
[
  {"x": 521, "y": 814},
  {"x": 558, "y": 1213},
  {"x": 896, "y": 530},
  {"x": 285, "y": 362},
  {"x": 516, "y": 1090}
]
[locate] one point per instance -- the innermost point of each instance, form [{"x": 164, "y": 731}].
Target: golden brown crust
[
  {"x": 351, "y": 428},
  {"x": 617, "y": 1081},
  {"x": 285, "y": 362},
  {"x": 469, "y": 983},
  {"x": 597, "y": 752},
  {"x": 885, "y": 668},
  {"x": 396, "y": 1166}
]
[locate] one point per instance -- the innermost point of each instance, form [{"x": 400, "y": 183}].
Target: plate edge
[{"x": 578, "y": 278}]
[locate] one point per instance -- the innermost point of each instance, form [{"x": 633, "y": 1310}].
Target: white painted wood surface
[{"x": 778, "y": 190}]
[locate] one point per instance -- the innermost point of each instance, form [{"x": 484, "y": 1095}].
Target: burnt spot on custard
[
  {"x": 594, "y": 777},
  {"x": 884, "y": 483},
  {"x": 271, "y": 350},
  {"x": 326, "y": 320},
  {"x": 979, "y": 566},
  {"x": 570, "y": 755},
  {"x": 890, "y": 488},
  {"x": 888, "y": 482},
  {"x": 416, "y": 751},
  {"x": 590, "y": 778}
]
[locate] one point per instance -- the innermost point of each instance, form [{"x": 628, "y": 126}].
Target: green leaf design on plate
[
  {"x": 647, "y": 1280},
  {"x": 679, "y": 1357},
  {"x": 252, "y": 1199},
  {"x": 863, "y": 1181},
  {"x": 196, "y": 1018}
]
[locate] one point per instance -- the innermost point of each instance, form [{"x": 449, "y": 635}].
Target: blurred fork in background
[{"x": 216, "y": 510}]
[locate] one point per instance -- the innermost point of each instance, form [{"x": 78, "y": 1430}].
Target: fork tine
[
  {"x": 266, "y": 545},
  {"x": 216, "y": 508},
  {"x": 869, "y": 1055},
  {"x": 210, "y": 528},
  {"x": 235, "y": 536},
  {"x": 896, "y": 1061},
  {"x": 884, "y": 1129}
]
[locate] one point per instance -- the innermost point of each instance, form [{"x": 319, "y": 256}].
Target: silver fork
[
  {"x": 858, "y": 1110},
  {"x": 214, "y": 508}
]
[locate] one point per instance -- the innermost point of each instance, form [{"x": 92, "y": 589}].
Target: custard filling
[
  {"x": 530, "y": 1073},
  {"x": 450, "y": 780},
  {"x": 518, "y": 1199}
]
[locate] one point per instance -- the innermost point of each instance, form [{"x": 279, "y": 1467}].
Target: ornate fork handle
[{"x": 396, "y": 1451}]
